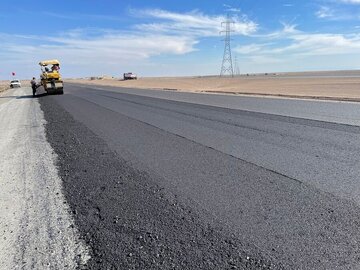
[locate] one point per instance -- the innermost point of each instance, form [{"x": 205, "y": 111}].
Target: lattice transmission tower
[
  {"x": 236, "y": 67},
  {"x": 227, "y": 64}
]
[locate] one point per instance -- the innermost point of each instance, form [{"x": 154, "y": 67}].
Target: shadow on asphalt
[
  {"x": 31, "y": 96},
  {"x": 27, "y": 96},
  {"x": 9, "y": 97}
]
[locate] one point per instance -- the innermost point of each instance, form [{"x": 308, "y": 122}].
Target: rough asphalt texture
[
  {"x": 127, "y": 219},
  {"x": 322, "y": 154},
  {"x": 337, "y": 112},
  {"x": 288, "y": 186}
]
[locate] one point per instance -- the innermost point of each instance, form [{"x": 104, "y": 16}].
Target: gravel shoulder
[{"x": 36, "y": 227}]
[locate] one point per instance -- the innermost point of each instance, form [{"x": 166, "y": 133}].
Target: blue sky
[{"x": 177, "y": 37}]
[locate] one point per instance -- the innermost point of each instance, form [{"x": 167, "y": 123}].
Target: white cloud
[
  {"x": 96, "y": 51},
  {"x": 194, "y": 23},
  {"x": 339, "y": 10},
  {"x": 83, "y": 55},
  {"x": 251, "y": 48},
  {"x": 324, "y": 12},
  {"x": 92, "y": 50},
  {"x": 323, "y": 44},
  {"x": 288, "y": 29},
  {"x": 293, "y": 50},
  {"x": 336, "y": 14},
  {"x": 349, "y": 1},
  {"x": 229, "y": 8},
  {"x": 292, "y": 42}
]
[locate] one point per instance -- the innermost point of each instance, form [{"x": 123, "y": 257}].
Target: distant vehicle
[
  {"x": 130, "y": 76},
  {"x": 15, "y": 84}
]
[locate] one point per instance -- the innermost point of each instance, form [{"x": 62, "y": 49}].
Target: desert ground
[
  {"x": 341, "y": 85},
  {"x": 4, "y": 85}
]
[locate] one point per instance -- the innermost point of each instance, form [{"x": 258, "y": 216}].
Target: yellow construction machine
[{"x": 50, "y": 77}]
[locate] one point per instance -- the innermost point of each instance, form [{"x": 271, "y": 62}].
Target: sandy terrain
[
  {"x": 3, "y": 86},
  {"x": 343, "y": 85}
]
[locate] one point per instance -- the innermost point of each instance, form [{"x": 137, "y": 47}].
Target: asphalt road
[
  {"x": 155, "y": 180},
  {"x": 329, "y": 111}
]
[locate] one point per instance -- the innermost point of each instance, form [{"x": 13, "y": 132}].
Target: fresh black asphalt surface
[{"x": 160, "y": 184}]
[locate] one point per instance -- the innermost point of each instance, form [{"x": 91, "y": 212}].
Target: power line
[{"x": 227, "y": 64}]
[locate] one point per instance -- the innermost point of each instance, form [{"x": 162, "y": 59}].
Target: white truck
[{"x": 130, "y": 76}]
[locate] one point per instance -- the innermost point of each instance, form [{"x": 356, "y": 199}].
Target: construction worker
[
  {"x": 33, "y": 85},
  {"x": 55, "y": 68}
]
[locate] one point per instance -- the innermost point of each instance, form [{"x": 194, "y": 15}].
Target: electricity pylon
[
  {"x": 227, "y": 64},
  {"x": 236, "y": 67}
]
